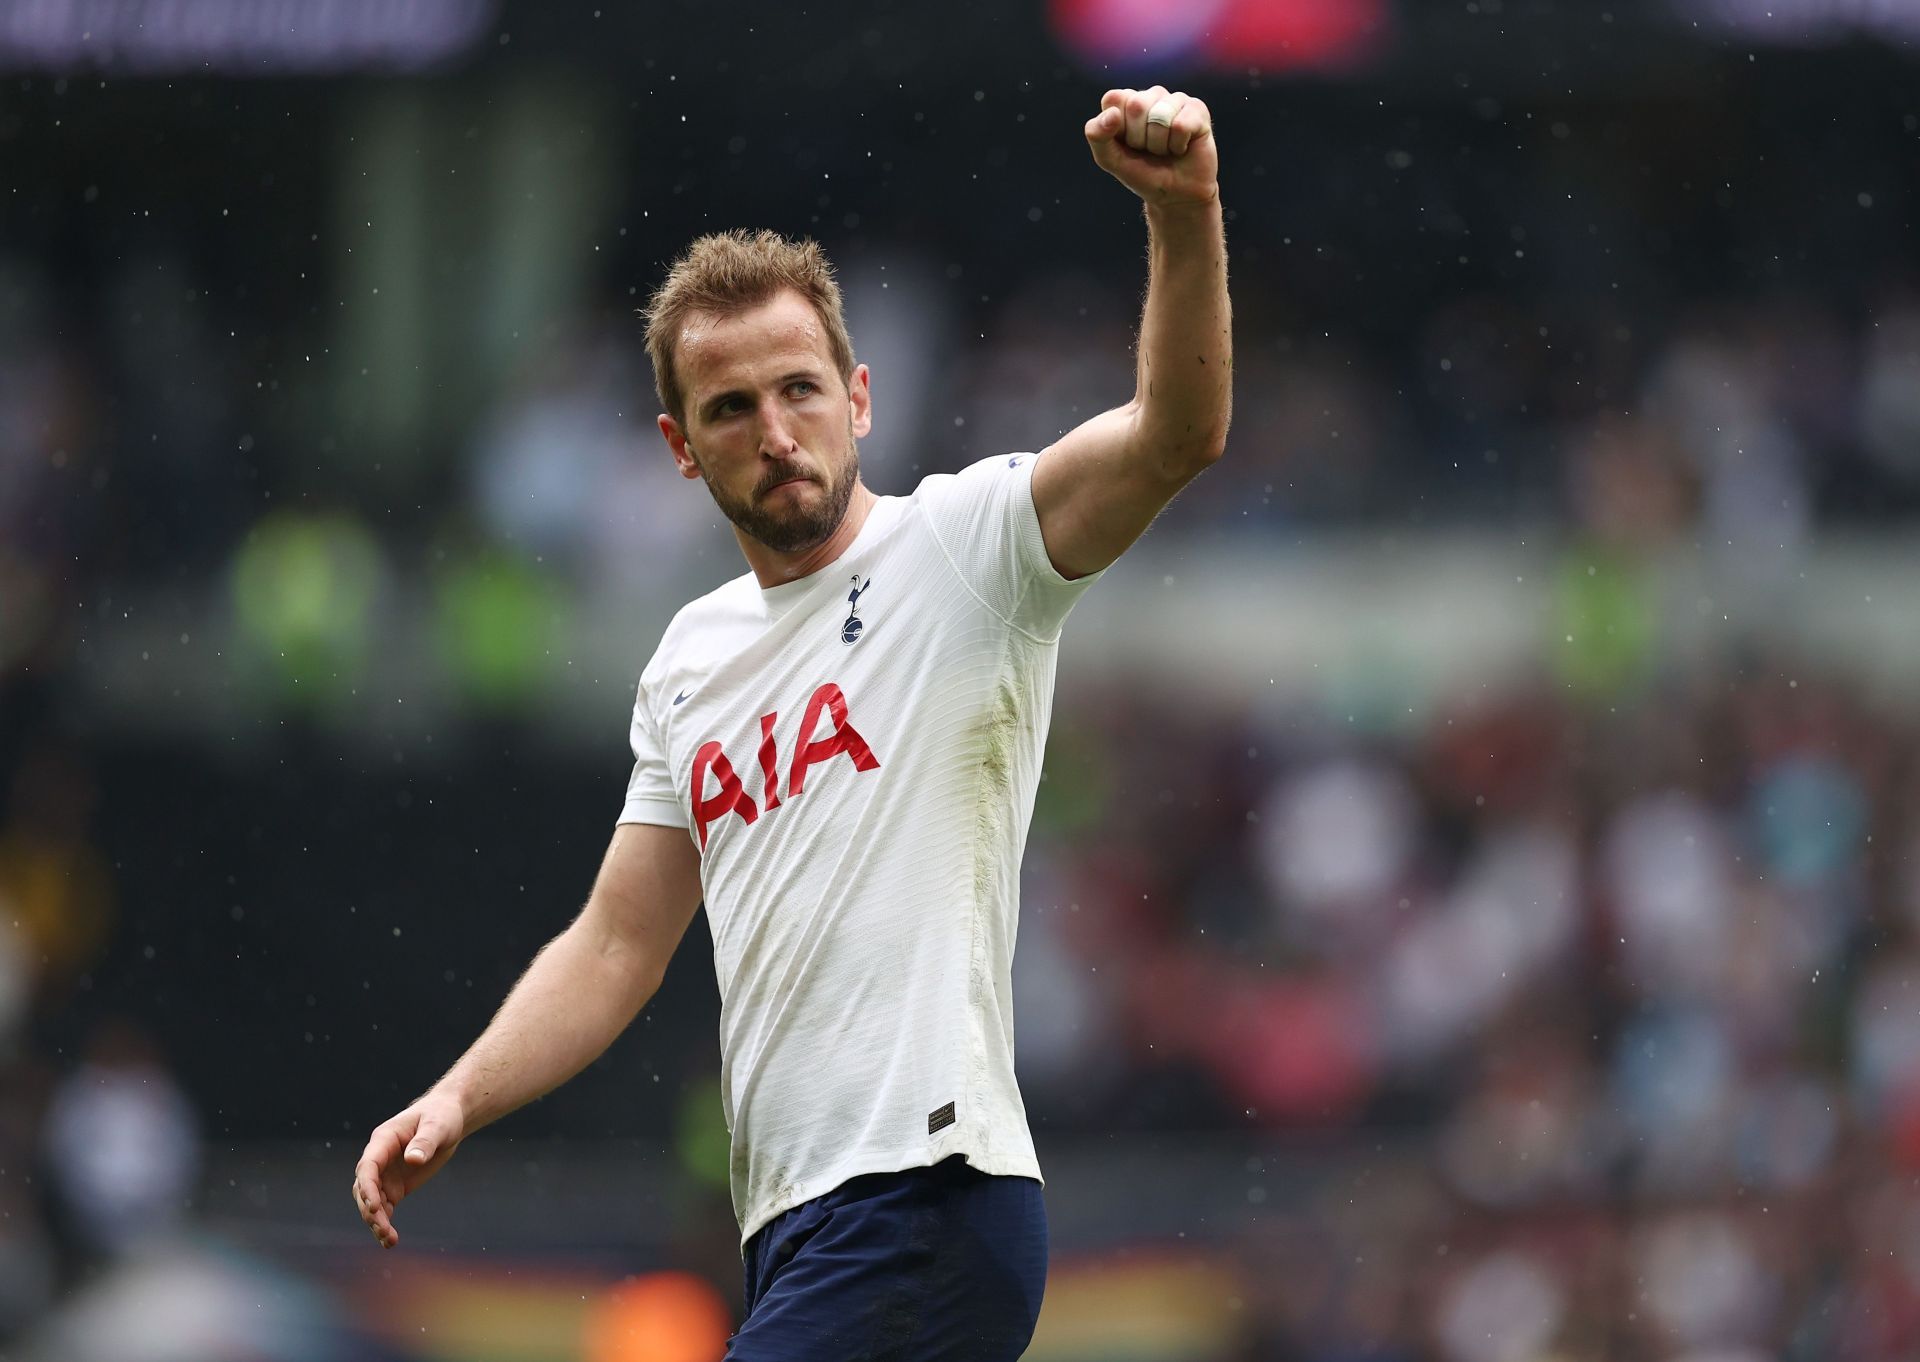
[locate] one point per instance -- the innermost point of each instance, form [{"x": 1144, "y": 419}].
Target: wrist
[
  {"x": 454, "y": 1090},
  {"x": 1189, "y": 214}
]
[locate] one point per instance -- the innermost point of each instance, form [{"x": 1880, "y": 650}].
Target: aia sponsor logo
[{"x": 711, "y": 767}]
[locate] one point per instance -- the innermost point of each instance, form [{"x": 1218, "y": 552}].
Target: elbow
[
  {"x": 639, "y": 971},
  {"x": 1180, "y": 464},
  {"x": 1203, "y": 437},
  {"x": 1184, "y": 462},
  {"x": 1183, "y": 448},
  {"x": 1216, "y": 441},
  {"x": 635, "y": 978},
  {"x": 643, "y": 985},
  {"x": 1201, "y": 453},
  {"x": 619, "y": 957}
]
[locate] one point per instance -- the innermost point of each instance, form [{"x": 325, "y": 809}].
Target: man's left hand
[{"x": 1158, "y": 144}]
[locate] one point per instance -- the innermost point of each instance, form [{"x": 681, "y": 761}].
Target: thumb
[
  {"x": 1105, "y": 126},
  {"x": 423, "y": 1144}
]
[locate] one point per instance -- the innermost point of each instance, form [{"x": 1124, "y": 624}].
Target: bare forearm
[
  {"x": 1184, "y": 398},
  {"x": 577, "y": 996}
]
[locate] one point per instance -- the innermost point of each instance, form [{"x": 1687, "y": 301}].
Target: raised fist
[{"x": 1158, "y": 144}]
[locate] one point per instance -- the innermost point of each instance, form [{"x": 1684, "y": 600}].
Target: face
[{"x": 770, "y": 424}]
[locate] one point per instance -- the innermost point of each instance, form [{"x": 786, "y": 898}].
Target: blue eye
[{"x": 802, "y": 383}]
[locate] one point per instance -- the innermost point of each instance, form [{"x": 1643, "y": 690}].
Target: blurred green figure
[
  {"x": 497, "y": 620},
  {"x": 304, "y": 586}
]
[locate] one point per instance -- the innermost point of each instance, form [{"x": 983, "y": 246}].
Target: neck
[{"x": 773, "y": 568}]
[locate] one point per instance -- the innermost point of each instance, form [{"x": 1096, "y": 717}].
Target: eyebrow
[{"x": 811, "y": 375}]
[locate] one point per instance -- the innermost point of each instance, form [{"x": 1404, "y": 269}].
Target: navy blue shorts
[{"x": 941, "y": 1264}]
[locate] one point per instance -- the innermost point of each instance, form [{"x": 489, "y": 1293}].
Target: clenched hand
[{"x": 1158, "y": 144}]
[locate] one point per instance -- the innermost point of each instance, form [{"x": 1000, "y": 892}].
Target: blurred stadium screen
[
  {"x": 238, "y": 37},
  {"x": 1808, "y": 22},
  {"x": 1223, "y": 35}
]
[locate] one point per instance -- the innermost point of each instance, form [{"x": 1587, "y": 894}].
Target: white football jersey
[{"x": 855, "y": 754}]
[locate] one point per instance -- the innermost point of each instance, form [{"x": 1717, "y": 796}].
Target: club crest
[{"x": 850, "y": 630}]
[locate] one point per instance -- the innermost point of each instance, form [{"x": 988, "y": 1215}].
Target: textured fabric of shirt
[{"x": 855, "y": 754}]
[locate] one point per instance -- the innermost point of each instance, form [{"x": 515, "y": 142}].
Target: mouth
[{"x": 790, "y": 482}]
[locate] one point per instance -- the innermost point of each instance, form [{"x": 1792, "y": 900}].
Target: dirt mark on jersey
[{"x": 995, "y": 805}]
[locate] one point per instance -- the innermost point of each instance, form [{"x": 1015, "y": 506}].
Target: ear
[
  {"x": 677, "y": 442},
  {"x": 860, "y": 397}
]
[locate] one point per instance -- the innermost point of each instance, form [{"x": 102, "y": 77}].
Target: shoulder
[
  {"x": 728, "y": 603},
  {"x": 975, "y": 480}
]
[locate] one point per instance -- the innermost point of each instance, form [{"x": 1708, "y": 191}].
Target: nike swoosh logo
[{"x": 681, "y": 696}]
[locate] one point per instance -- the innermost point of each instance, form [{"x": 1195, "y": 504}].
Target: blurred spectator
[
  {"x": 1504, "y": 1308},
  {"x": 571, "y": 470},
  {"x": 1890, "y": 390},
  {"x": 53, "y": 482},
  {"x": 123, "y": 1144},
  {"x": 56, "y": 890},
  {"x": 28, "y": 1257},
  {"x": 1058, "y": 356}
]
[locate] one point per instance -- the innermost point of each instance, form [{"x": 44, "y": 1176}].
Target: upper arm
[
  {"x": 1098, "y": 488},
  {"x": 645, "y": 895}
]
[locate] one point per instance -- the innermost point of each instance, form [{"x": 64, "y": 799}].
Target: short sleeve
[
  {"x": 985, "y": 521},
  {"x": 651, "y": 797}
]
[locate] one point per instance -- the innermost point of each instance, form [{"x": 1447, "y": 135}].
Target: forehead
[{"x": 780, "y": 335}]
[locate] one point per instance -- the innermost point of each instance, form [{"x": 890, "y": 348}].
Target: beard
[{"x": 800, "y": 527}]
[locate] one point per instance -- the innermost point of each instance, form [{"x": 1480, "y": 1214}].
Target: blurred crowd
[
  {"x": 100, "y": 1146},
  {"x": 1642, "y": 978},
  {"x": 130, "y": 460},
  {"x": 1613, "y": 999}
]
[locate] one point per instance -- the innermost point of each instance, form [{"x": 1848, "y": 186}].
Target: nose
[{"x": 776, "y": 438}]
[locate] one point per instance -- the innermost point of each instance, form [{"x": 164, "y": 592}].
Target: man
[{"x": 839, "y": 751}]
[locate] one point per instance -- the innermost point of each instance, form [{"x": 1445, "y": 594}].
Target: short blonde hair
[{"x": 727, "y": 273}]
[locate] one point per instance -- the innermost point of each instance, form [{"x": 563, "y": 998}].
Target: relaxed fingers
[
  {"x": 365, "y": 1197},
  {"x": 381, "y": 1223},
  {"x": 371, "y": 1213}
]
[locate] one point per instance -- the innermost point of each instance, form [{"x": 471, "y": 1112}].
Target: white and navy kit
[{"x": 855, "y": 754}]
